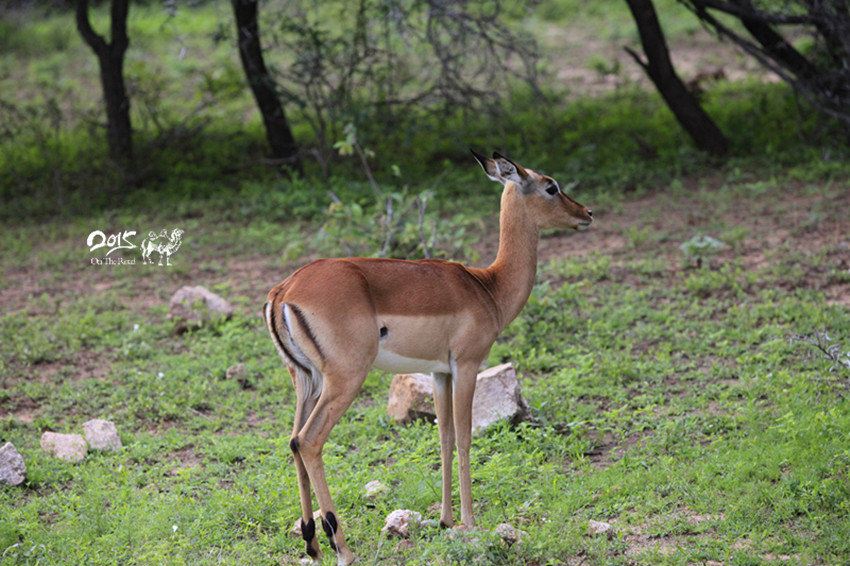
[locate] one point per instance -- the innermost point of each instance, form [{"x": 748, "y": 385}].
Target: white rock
[
  {"x": 411, "y": 397},
  {"x": 193, "y": 306},
  {"x": 374, "y": 489},
  {"x": 508, "y": 533},
  {"x": 102, "y": 435},
  {"x": 68, "y": 447},
  {"x": 13, "y": 471},
  {"x": 399, "y": 522},
  {"x": 497, "y": 397},
  {"x": 600, "y": 528}
]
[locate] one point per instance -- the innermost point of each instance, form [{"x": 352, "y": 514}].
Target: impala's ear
[
  {"x": 489, "y": 166},
  {"x": 509, "y": 170}
]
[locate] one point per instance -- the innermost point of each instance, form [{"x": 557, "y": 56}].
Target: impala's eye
[{"x": 552, "y": 190}]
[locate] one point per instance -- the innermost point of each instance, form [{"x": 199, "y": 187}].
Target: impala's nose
[{"x": 590, "y": 213}]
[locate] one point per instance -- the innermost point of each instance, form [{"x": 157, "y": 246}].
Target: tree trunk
[
  {"x": 110, "y": 56},
  {"x": 119, "y": 132},
  {"x": 278, "y": 132},
  {"x": 679, "y": 99}
]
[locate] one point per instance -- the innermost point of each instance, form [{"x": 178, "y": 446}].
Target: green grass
[
  {"x": 666, "y": 399},
  {"x": 669, "y": 402}
]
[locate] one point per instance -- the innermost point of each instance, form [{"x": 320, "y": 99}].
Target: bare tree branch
[{"x": 95, "y": 41}]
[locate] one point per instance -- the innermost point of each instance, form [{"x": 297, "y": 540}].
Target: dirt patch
[
  {"x": 640, "y": 538},
  {"x": 85, "y": 364},
  {"x": 588, "y": 64},
  {"x": 187, "y": 458},
  {"x": 608, "y": 449},
  {"x": 24, "y": 410}
]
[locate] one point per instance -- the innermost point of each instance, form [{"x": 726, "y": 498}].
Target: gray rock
[
  {"x": 236, "y": 371},
  {"x": 600, "y": 528},
  {"x": 239, "y": 374},
  {"x": 509, "y": 534},
  {"x": 374, "y": 489},
  {"x": 400, "y": 521},
  {"x": 102, "y": 435},
  {"x": 13, "y": 471},
  {"x": 430, "y": 524},
  {"x": 68, "y": 447},
  {"x": 497, "y": 397},
  {"x": 195, "y": 306}
]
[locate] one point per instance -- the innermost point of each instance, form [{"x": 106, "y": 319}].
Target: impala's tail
[{"x": 308, "y": 377}]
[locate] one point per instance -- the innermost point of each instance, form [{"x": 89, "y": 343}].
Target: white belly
[{"x": 392, "y": 362}]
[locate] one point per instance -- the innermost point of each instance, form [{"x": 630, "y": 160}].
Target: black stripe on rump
[
  {"x": 280, "y": 343},
  {"x": 302, "y": 320}
]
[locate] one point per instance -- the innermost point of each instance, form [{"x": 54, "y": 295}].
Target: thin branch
[
  {"x": 636, "y": 56},
  {"x": 95, "y": 41},
  {"x": 750, "y": 12}
]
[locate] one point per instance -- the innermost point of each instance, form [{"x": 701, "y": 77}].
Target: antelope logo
[{"x": 164, "y": 244}]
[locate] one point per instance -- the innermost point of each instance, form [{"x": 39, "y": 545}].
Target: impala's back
[{"x": 394, "y": 315}]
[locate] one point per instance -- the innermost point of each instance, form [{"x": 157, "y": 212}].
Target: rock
[
  {"x": 13, "y": 471},
  {"x": 411, "y": 398},
  {"x": 509, "y": 534},
  {"x": 239, "y": 373},
  {"x": 374, "y": 489},
  {"x": 399, "y": 522},
  {"x": 102, "y": 435},
  {"x": 497, "y": 397},
  {"x": 430, "y": 524},
  {"x": 296, "y": 527},
  {"x": 404, "y": 544},
  {"x": 236, "y": 371},
  {"x": 68, "y": 447},
  {"x": 600, "y": 528},
  {"x": 194, "y": 306}
]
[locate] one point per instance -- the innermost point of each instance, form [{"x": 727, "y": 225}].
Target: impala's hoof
[{"x": 345, "y": 558}]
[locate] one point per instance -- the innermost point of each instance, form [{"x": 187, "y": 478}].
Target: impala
[{"x": 335, "y": 319}]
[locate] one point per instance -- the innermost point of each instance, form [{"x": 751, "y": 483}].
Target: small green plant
[
  {"x": 351, "y": 146},
  {"x": 397, "y": 225},
  {"x": 638, "y": 235},
  {"x": 700, "y": 248},
  {"x": 603, "y": 66},
  {"x": 735, "y": 236},
  {"x": 830, "y": 350}
]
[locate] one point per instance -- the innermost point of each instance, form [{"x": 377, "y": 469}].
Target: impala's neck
[{"x": 511, "y": 275}]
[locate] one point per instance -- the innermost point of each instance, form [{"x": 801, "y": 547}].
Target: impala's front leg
[
  {"x": 443, "y": 406},
  {"x": 463, "y": 391}
]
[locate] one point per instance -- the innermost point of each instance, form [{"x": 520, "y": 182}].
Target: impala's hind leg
[
  {"x": 303, "y": 407},
  {"x": 336, "y": 397}
]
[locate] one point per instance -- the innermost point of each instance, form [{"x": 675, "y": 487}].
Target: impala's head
[{"x": 541, "y": 194}]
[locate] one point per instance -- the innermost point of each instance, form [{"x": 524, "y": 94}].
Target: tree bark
[
  {"x": 659, "y": 67},
  {"x": 110, "y": 56},
  {"x": 278, "y": 132}
]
